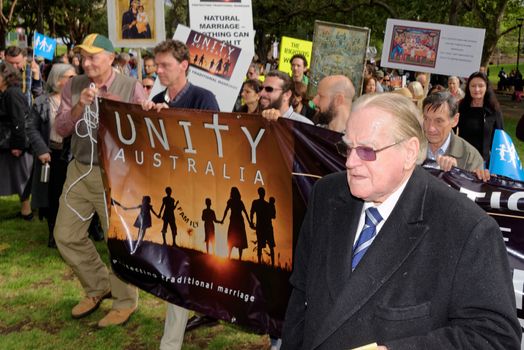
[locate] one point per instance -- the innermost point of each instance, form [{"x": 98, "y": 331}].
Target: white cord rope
[{"x": 90, "y": 119}]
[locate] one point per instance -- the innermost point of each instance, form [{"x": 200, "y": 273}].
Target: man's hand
[
  {"x": 16, "y": 152},
  {"x": 149, "y": 105},
  {"x": 446, "y": 162},
  {"x": 35, "y": 70},
  {"x": 87, "y": 96},
  {"x": 44, "y": 158},
  {"x": 483, "y": 174},
  {"x": 271, "y": 114}
]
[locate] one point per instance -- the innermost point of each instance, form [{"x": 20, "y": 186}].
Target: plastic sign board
[{"x": 291, "y": 46}]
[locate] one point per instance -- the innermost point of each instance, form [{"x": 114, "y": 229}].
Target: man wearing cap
[
  {"x": 172, "y": 61},
  {"x": 83, "y": 192}
]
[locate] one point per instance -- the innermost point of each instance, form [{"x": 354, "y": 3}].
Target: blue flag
[
  {"x": 504, "y": 159},
  {"x": 44, "y": 46}
]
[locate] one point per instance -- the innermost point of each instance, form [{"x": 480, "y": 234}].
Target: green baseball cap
[{"x": 95, "y": 43}]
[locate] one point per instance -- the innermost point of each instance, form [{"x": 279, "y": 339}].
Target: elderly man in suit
[
  {"x": 390, "y": 255},
  {"x": 448, "y": 150}
]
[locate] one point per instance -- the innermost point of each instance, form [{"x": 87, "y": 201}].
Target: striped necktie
[{"x": 367, "y": 235}]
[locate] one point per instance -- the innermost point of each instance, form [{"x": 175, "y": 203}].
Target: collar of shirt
[
  {"x": 288, "y": 113},
  {"x": 104, "y": 88},
  {"x": 385, "y": 209},
  {"x": 179, "y": 96},
  {"x": 441, "y": 151}
]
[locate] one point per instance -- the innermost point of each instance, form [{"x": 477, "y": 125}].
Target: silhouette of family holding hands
[{"x": 260, "y": 219}]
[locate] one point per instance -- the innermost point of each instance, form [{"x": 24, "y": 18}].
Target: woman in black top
[
  {"x": 480, "y": 114},
  {"x": 15, "y": 160}
]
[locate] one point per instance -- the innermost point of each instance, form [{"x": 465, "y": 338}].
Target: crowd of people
[{"x": 390, "y": 128}]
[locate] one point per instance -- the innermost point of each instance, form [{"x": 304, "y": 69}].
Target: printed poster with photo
[
  {"x": 215, "y": 65},
  {"x": 432, "y": 48},
  {"x": 230, "y": 21},
  {"x": 338, "y": 49},
  {"x": 136, "y": 23}
]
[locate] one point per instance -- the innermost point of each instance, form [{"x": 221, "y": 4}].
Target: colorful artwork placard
[
  {"x": 432, "y": 48},
  {"x": 136, "y": 23},
  {"x": 338, "y": 49}
]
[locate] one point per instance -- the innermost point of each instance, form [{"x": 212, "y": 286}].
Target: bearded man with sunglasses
[
  {"x": 275, "y": 98},
  {"x": 389, "y": 257}
]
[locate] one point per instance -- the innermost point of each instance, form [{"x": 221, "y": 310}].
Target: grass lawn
[{"x": 38, "y": 291}]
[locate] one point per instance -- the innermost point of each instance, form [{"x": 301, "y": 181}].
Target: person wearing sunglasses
[
  {"x": 389, "y": 257},
  {"x": 147, "y": 84},
  {"x": 275, "y": 98},
  {"x": 333, "y": 100}
]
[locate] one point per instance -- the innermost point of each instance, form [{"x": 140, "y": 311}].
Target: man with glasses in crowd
[
  {"x": 389, "y": 257},
  {"x": 147, "y": 84},
  {"x": 275, "y": 98}
]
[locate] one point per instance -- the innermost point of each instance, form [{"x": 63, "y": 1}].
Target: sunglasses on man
[
  {"x": 365, "y": 153},
  {"x": 269, "y": 89},
  {"x": 147, "y": 87}
]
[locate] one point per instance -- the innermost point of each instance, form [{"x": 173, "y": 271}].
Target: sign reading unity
[
  {"x": 432, "y": 48},
  {"x": 205, "y": 208},
  {"x": 215, "y": 64}
]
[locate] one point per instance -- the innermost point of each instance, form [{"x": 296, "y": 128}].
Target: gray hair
[
  {"x": 437, "y": 99},
  {"x": 407, "y": 117},
  {"x": 57, "y": 71}
]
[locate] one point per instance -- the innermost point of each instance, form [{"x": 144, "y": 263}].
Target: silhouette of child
[
  {"x": 143, "y": 220},
  {"x": 209, "y": 218}
]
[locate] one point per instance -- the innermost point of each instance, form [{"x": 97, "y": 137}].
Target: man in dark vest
[{"x": 83, "y": 193}]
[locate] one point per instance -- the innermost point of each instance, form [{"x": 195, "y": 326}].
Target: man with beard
[
  {"x": 275, "y": 98},
  {"x": 333, "y": 100}
]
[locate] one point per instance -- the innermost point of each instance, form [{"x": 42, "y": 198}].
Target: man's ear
[
  {"x": 455, "y": 120},
  {"x": 287, "y": 95},
  {"x": 412, "y": 147},
  {"x": 185, "y": 65}
]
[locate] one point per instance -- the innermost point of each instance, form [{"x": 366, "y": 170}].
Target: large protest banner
[
  {"x": 227, "y": 158},
  {"x": 433, "y": 48},
  {"x": 215, "y": 165},
  {"x": 291, "y": 46}
]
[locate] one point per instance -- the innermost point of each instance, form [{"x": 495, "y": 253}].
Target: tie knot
[{"x": 373, "y": 217}]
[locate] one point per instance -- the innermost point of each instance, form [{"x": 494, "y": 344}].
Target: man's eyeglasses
[
  {"x": 365, "y": 153},
  {"x": 269, "y": 89},
  {"x": 147, "y": 87}
]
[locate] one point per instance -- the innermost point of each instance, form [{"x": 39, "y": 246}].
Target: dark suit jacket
[{"x": 435, "y": 277}]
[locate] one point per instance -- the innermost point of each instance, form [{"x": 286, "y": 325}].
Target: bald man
[{"x": 333, "y": 99}]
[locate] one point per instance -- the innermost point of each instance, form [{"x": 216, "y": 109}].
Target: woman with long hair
[
  {"x": 480, "y": 114},
  {"x": 15, "y": 160},
  {"x": 249, "y": 94},
  {"x": 48, "y": 147},
  {"x": 236, "y": 232}
]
